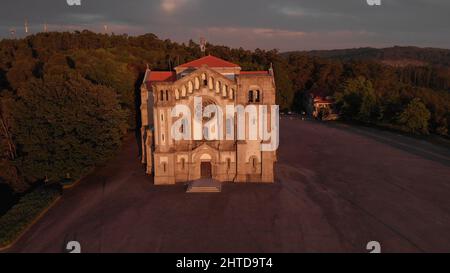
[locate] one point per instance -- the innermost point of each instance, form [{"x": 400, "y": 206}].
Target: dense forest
[
  {"x": 434, "y": 56},
  {"x": 67, "y": 99}
]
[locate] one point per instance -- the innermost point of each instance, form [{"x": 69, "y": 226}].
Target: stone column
[
  {"x": 144, "y": 154},
  {"x": 148, "y": 151}
]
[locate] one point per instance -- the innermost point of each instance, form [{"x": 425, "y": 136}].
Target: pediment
[
  {"x": 205, "y": 149},
  {"x": 208, "y": 71},
  {"x": 202, "y": 78}
]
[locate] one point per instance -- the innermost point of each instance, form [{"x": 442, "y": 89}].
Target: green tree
[
  {"x": 358, "y": 100},
  {"x": 415, "y": 117},
  {"x": 64, "y": 125},
  {"x": 9, "y": 173},
  {"x": 102, "y": 67},
  {"x": 285, "y": 90}
]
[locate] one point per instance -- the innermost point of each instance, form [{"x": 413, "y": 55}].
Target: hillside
[
  {"x": 82, "y": 89},
  {"x": 395, "y": 56}
]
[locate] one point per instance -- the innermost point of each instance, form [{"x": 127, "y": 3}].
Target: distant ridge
[{"x": 396, "y": 56}]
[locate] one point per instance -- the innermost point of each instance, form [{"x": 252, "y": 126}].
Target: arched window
[
  {"x": 225, "y": 90},
  {"x": 190, "y": 87},
  {"x": 250, "y": 96},
  {"x": 197, "y": 83},
  {"x": 254, "y": 162},
  {"x": 258, "y": 96},
  {"x": 161, "y": 95},
  {"x": 218, "y": 86},
  {"x": 231, "y": 94},
  {"x": 204, "y": 79},
  {"x": 211, "y": 83},
  {"x": 167, "y": 95}
]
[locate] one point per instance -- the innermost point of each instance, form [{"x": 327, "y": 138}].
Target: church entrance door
[{"x": 206, "y": 170}]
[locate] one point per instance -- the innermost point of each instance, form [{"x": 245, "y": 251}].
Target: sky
[{"x": 282, "y": 24}]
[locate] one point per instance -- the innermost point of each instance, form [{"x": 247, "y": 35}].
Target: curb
[
  {"x": 69, "y": 186},
  {"x": 32, "y": 223},
  {"x": 42, "y": 213},
  {"x": 74, "y": 184}
]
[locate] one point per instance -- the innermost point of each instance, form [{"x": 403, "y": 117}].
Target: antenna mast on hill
[
  {"x": 203, "y": 46},
  {"x": 45, "y": 27},
  {"x": 105, "y": 27},
  {"x": 12, "y": 31},
  {"x": 26, "y": 26}
]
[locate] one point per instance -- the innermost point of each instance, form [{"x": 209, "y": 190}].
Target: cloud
[
  {"x": 285, "y": 40},
  {"x": 270, "y": 32},
  {"x": 86, "y": 17},
  {"x": 170, "y": 6},
  {"x": 266, "y": 32},
  {"x": 285, "y": 24},
  {"x": 294, "y": 12}
]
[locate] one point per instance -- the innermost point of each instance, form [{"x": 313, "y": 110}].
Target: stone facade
[{"x": 217, "y": 82}]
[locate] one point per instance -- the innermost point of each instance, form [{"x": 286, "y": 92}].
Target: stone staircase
[{"x": 204, "y": 186}]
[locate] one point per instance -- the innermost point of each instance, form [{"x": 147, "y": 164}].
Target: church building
[{"x": 216, "y": 82}]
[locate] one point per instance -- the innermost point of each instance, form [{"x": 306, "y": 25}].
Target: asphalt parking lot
[{"x": 338, "y": 187}]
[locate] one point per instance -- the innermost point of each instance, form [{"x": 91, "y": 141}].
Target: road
[{"x": 338, "y": 187}]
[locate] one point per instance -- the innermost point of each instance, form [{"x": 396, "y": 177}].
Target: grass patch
[{"x": 20, "y": 216}]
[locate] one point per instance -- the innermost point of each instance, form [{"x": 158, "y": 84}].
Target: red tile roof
[
  {"x": 160, "y": 76},
  {"x": 323, "y": 100},
  {"x": 210, "y": 61}
]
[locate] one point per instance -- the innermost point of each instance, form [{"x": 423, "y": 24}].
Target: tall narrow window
[
  {"x": 225, "y": 90},
  {"x": 206, "y": 133},
  {"x": 258, "y": 96},
  {"x": 161, "y": 96},
  {"x": 218, "y": 86},
  {"x": 211, "y": 83},
  {"x": 254, "y": 162},
  {"x": 182, "y": 163},
  {"x": 250, "y": 96},
  {"x": 228, "y": 163},
  {"x": 204, "y": 79},
  {"x": 167, "y": 95},
  {"x": 196, "y": 83},
  {"x": 228, "y": 125},
  {"x": 164, "y": 167}
]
